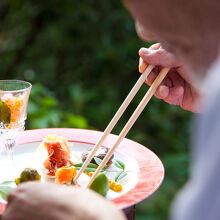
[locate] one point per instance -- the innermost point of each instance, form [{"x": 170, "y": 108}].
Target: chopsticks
[
  {"x": 130, "y": 122},
  {"x": 116, "y": 117}
]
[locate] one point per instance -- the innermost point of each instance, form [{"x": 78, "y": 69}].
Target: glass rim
[{"x": 17, "y": 90}]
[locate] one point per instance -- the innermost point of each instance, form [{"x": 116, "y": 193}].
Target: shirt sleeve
[{"x": 200, "y": 198}]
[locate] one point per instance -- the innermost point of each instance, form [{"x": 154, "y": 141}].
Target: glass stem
[{"x": 9, "y": 145}]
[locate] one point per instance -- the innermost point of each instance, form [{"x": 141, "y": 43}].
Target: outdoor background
[{"x": 82, "y": 59}]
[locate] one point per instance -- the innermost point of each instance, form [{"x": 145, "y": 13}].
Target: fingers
[
  {"x": 158, "y": 57},
  {"x": 176, "y": 92},
  {"x": 162, "y": 92},
  {"x": 171, "y": 87},
  {"x": 11, "y": 196},
  {"x": 171, "y": 90},
  {"x": 15, "y": 198},
  {"x": 153, "y": 75},
  {"x": 177, "y": 86},
  {"x": 155, "y": 46},
  {"x": 142, "y": 65}
]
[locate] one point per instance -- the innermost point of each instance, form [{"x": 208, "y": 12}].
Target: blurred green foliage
[{"x": 82, "y": 58}]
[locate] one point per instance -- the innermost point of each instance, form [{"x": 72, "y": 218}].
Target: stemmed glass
[{"x": 14, "y": 95}]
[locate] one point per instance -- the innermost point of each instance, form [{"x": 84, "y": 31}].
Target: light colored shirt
[{"x": 200, "y": 198}]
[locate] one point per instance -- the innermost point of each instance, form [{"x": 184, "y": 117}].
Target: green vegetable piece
[
  {"x": 5, "y": 113},
  {"x": 5, "y": 188},
  {"x": 100, "y": 184},
  {"x": 98, "y": 161},
  {"x": 120, "y": 176},
  {"x": 90, "y": 168},
  {"x": 7, "y": 182},
  {"x": 90, "y": 165},
  {"x": 28, "y": 174},
  {"x": 118, "y": 164}
]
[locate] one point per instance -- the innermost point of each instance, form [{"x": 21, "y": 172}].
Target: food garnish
[
  {"x": 5, "y": 188},
  {"x": 28, "y": 174},
  {"x": 120, "y": 176},
  {"x": 113, "y": 185},
  {"x": 117, "y": 187},
  {"x": 100, "y": 154},
  {"x": 89, "y": 173},
  {"x": 58, "y": 154},
  {"x": 65, "y": 174},
  {"x": 90, "y": 168},
  {"x": 118, "y": 164},
  {"x": 59, "y": 165},
  {"x": 100, "y": 184}
]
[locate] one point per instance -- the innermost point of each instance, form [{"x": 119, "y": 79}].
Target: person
[
  {"x": 189, "y": 30},
  {"x": 189, "y": 36}
]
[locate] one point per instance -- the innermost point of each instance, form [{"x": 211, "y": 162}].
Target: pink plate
[{"x": 150, "y": 168}]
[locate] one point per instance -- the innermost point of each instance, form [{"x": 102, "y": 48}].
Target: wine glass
[{"x": 14, "y": 95}]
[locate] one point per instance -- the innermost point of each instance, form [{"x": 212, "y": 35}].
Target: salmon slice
[{"x": 58, "y": 154}]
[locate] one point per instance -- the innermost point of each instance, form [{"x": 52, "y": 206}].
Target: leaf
[
  {"x": 90, "y": 168},
  {"x": 5, "y": 188},
  {"x": 118, "y": 164},
  {"x": 5, "y": 113},
  {"x": 7, "y": 182},
  {"x": 120, "y": 176},
  {"x": 98, "y": 161}
]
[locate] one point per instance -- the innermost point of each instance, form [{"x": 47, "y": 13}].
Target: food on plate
[
  {"x": 101, "y": 153},
  {"x": 58, "y": 154},
  {"x": 59, "y": 166},
  {"x": 65, "y": 175},
  {"x": 55, "y": 155},
  {"x": 89, "y": 173},
  {"x": 100, "y": 184},
  {"x": 28, "y": 174},
  {"x": 113, "y": 185},
  {"x": 5, "y": 188},
  {"x": 117, "y": 187}
]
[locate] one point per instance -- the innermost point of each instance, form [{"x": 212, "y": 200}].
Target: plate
[{"x": 145, "y": 171}]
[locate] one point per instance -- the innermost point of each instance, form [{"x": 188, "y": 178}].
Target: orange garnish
[{"x": 65, "y": 174}]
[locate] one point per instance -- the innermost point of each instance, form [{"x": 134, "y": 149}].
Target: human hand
[
  {"x": 48, "y": 201},
  {"x": 177, "y": 87}
]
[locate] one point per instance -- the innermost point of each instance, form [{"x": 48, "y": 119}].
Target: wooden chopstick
[
  {"x": 131, "y": 121},
  {"x": 115, "y": 119}
]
